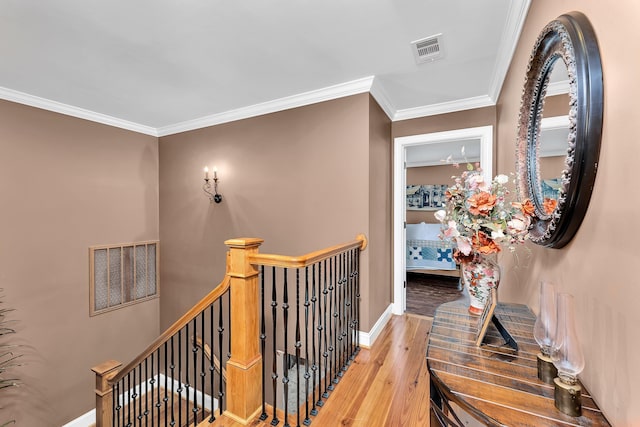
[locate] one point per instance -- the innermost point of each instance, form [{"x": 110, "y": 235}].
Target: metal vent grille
[
  {"x": 428, "y": 49},
  {"x": 122, "y": 275}
]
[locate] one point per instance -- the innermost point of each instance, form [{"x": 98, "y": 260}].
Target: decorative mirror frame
[{"x": 571, "y": 38}]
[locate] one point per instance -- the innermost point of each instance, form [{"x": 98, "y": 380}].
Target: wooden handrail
[
  {"x": 284, "y": 261},
  {"x": 173, "y": 329}
]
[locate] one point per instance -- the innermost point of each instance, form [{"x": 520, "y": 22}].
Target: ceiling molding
[
  {"x": 69, "y": 110},
  {"x": 353, "y": 87},
  {"x": 558, "y": 88},
  {"x": 510, "y": 36},
  {"x": 444, "y": 107},
  {"x": 378, "y": 93}
]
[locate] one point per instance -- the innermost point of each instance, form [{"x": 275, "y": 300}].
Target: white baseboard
[
  {"x": 83, "y": 420},
  {"x": 368, "y": 338}
]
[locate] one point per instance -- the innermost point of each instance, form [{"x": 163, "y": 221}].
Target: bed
[{"x": 425, "y": 250}]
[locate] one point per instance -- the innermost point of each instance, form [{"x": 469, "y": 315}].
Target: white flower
[
  {"x": 502, "y": 179},
  {"x": 440, "y": 215},
  {"x": 497, "y": 235}
]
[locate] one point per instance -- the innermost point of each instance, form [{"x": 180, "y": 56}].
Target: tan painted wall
[
  {"x": 68, "y": 184},
  {"x": 427, "y": 175},
  {"x": 380, "y": 208},
  {"x": 598, "y": 266},
  {"x": 299, "y": 179}
]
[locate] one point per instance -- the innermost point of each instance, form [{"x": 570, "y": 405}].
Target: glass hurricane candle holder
[
  {"x": 544, "y": 332},
  {"x": 568, "y": 359}
]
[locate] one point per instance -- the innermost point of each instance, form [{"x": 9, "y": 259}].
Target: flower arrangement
[{"x": 479, "y": 218}]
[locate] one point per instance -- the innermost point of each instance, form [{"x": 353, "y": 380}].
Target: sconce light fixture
[
  {"x": 213, "y": 196},
  {"x": 568, "y": 358}
]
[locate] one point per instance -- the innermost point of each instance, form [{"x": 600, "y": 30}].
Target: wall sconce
[
  {"x": 213, "y": 196},
  {"x": 568, "y": 358},
  {"x": 544, "y": 331}
]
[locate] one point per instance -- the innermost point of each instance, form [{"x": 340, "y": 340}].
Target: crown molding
[
  {"x": 510, "y": 36},
  {"x": 558, "y": 88},
  {"x": 378, "y": 93},
  {"x": 69, "y": 110},
  {"x": 353, "y": 87},
  {"x": 444, "y": 107}
]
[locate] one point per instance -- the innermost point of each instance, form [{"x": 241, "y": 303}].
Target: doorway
[{"x": 434, "y": 147}]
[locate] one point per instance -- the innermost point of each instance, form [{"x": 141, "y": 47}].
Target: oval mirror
[{"x": 560, "y": 189}]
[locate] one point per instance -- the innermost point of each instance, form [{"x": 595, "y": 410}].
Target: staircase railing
[{"x": 198, "y": 369}]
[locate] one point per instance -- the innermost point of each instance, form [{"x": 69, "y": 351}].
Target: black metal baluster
[
  {"x": 187, "y": 379},
  {"x": 357, "y": 302},
  {"x": 158, "y": 404},
  {"x": 146, "y": 391},
  {"x": 194, "y": 350},
  {"x": 348, "y": 304},
  {"x": 298, "y": 345},
  {"x": 165, "y": 399},
  {"x": 351, "y": 307},
  {"x": 307, "y": 420},
  {"x": 263, "y": 342},
  {"x": 180, "y": 377},
  {"x": 331, "y": 323},
  {"x": 285, "y": 361},
  {"x": 128, "y": 401},
  {"x": 345, "y": 324},
  {"x": 212, "y": 373},
  {"x": 314, "y": 366},
  {"x": 320, "y": 402},
  {"x": 115, "y": 411},
  {"x": 336, "y": 320},
  {"x": 325, "y": 353},
  {"x": 338, "y": 315},
  {"x": 203, "y": 373},
  {"x": 342, "y": 315},
  {"x": 173, "y": 380},
  {"x": 221, "y": 391},
  {"x": 136, "y": 395},
  {"x": 274, "y": 371}
]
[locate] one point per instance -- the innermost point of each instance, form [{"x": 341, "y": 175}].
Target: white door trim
[{"x": 400, "y": 144}]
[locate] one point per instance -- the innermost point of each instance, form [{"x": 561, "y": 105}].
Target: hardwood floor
[
  {"x": 425, "y": 292},
  {"x": 386, "y": 386}
]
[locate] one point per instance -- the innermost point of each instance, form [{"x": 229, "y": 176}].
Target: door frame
[{"x": 400, "y": 144}]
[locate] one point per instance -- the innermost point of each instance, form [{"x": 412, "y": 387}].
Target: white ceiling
[{"x": 164, "y": 66}]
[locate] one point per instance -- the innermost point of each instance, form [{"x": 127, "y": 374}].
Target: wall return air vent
[{"x": 428, "y": 49}]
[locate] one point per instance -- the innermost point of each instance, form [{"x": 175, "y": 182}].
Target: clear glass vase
[
  {"x": 479, "y": 275},
  {"x": 566, "y": 352}
]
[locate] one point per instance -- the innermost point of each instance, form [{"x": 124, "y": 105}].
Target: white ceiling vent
[{"x": 428, "y": 49}]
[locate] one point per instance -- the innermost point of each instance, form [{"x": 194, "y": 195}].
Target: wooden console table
[{"x": 495, "y": 384}]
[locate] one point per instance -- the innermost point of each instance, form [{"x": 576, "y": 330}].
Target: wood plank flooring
[
  {"x": 425, "y": 292},
  {"x": 386, "y": 386}
]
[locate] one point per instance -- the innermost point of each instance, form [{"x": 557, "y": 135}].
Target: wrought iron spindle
[
  {"x": 221, "y": 391},
  {"x": 298, "y": 345},
  {"x": 357, "y": 302},
  {"x": 128, "y": 403},
  {"x": 186, "y": 373},
  {"x": 274, "y": 372},
  {"x": 194, "y": 393},
  {"x": 320, "y": 402},
  {"x": 211, "y": 363},
  {"x": 343, "y": 311},
  {"x": 325, "y": 352},
  {"x": 173, "y": 366},
  {"x": 307, "y": 420},
  {"x": 158, "y": 405},
  {"x": 314, "y": 366},
  {"x": 146, "y": 391},
  {"x": 346, "y": 332},
  {"x": 331, "y": 325},
  {"x": 263, "y": 343},
  {"x": 180, "y": 377},
  {"x": 285, "y": 362}
]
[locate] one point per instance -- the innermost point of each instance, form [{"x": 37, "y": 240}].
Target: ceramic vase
[{"x": 479, "y": 275}]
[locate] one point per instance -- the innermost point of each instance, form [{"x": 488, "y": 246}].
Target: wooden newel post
[
  {"x": 244, "y": 368},
  {"x": 104, "y": 395}
]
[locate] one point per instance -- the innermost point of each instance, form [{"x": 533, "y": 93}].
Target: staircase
[{"x": 232, "y": 354}]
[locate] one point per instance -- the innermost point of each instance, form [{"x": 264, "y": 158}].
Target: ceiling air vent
[{"x": 428, "y": 49}]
